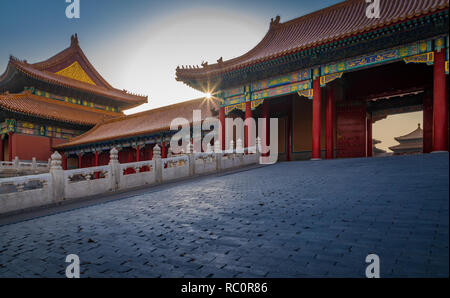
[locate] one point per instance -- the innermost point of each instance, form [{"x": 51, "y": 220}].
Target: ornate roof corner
[
  {"x": 204, "y": 64},
  {"x": 220, "y": 60}
]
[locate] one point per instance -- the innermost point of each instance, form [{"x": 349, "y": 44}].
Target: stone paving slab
[{"x": 298, "y": 219}]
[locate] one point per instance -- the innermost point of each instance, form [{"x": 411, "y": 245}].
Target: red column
[
  {"x": 427, "y": 122},
  {"x": 64, "y": 163},
  {"x": 440, "y": 104},
  {"x": 247, "y": 132},
  {"x": 10, "y": 147},
  {"x": 130, "y": 154},
  {"x": 369, "y": 150},
  {"x": 329, "y": 140},
  {"x": 80, "y": 157},
  {"x": 222, "y": 127},
  {"x": 289, "y": 132},
  {"x": 265, "y": 132},
  {"x": 150, "y": 152},
  {"x": 317, "y": 98},
  {"x": 163, "y": 150},
  {"x": 138, "y": 153},
  {"x": 97, "y": 174},
  {"x": 1, "y": 148}
]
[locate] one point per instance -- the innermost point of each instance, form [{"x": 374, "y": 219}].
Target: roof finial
[
  {"x": 74, "y": 39},
  {"x": 274, "y": 22}
]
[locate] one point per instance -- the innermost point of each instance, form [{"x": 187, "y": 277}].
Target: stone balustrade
[
  {"x": 18, "y": 193},
  {"x": 20, "y": 168}
]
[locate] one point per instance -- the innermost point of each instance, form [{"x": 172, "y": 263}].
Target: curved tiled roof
[
  {"x": 46, "y": 71},
  {"x": 330, "y": 24},
  {"x": 147, "y": 122},
  {"x": 42, "y": 107},
  {"x": 415, "y": 135}
]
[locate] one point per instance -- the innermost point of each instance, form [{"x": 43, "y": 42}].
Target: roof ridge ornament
[
  {"x": 275, "y": 22},
  {"x": 74, "y": 39}
]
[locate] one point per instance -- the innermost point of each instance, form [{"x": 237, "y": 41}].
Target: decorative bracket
[
  {"x": 324, "y": 80},
  {"x": 306, "y": 93},
  {"x": 256, "y": 103},
  {"x": 427, "y": 58}
]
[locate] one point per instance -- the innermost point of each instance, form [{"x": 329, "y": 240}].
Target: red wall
[
  {"x": 26, "y": 147},
  {"x": 351, "y": 131}
]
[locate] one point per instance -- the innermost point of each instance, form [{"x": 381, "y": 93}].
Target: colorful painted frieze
[
  {"x": 73, "y": 100},
  {"x": 378, "y": 58},
  {"x": 282, "y": 90},
  {"x": 282, "y": 80}
]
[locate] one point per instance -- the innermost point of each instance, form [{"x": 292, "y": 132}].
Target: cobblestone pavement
[{"x": 299, "y": 219}]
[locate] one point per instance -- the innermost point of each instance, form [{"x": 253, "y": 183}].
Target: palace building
[
  {"x": 133, "y": 135},
  {"x": 411, "y": 143},
  {"x": 46, "y": 104},
  {"x": 329, "y": 75}
]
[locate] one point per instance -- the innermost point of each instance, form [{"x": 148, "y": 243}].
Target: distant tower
[
  {"x": 377, "y": 151},
  {"x": 411, "y": 143}
]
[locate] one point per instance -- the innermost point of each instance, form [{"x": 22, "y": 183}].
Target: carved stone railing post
[
  {"x": 191, "y": 159},
  {"x": 217, "y": 147},
  {"x": 239, "y": 147},
  {"x": 34, "y": 164},
  {"x": 258, "y": 149},
  {"x": 231, "y": 149},
  {"x": 114, "y": 169},
  {"x": 57, "y": 174},
  {"x": 218, "y": 151},
  {"x": 16, "y": 163},
  {"x": 240, "y": 151},
  {"x": 158, "y": 163}
]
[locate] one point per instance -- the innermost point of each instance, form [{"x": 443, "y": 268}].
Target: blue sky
[{"x": 136, "y": 44}]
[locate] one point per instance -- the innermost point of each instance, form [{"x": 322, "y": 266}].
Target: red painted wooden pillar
[
  {"x": 130, "y": 155},
  {"x": 369, "y": 143},
  {"x": 266, "y": 129},
  {"x": 222, "y": 127},
  {"x": 138, "y": 153},
  {"x": 1, "y": 148},
  {"x": 248, "y": 131},
  {"x": 150, "y": 153},
  {"x": 163, "y": 150},
  {"x": 317, "y": 98},
  {"x": 10, "y": 147},
  {"x": 289, "y": 131},
  {"x": 96, "y": 159},
  {"x": 427, "y": 122},
  {"x": 329, "y": 132},
  {"x": 64, "y": 163},
  {"x": 440, "y": 104},
  {"x": 80, "y": 157}
]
